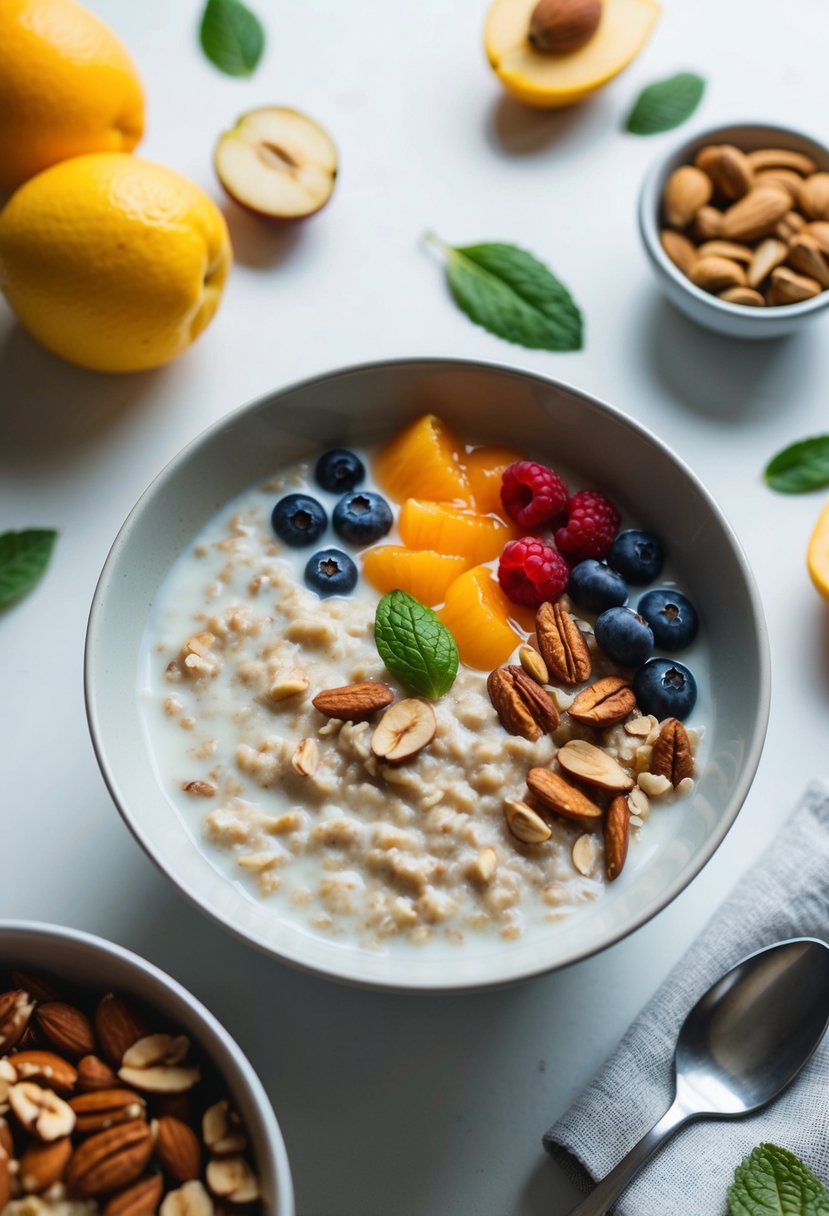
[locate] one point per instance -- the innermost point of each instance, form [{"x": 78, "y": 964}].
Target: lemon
[
  {"x": 113, "y": 262},
  {"x": 817, "y": 556},
  {"x": 67, "y": 86}
]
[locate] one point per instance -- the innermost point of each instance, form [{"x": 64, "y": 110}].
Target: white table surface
[{"x": 389, "y": 1104}]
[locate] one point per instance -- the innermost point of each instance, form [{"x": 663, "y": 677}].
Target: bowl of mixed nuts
[
  {"x": 735, "y": 223},
  {"x": 120, "y": 1093}
]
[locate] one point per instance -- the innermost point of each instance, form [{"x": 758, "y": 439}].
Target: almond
[
  {"x": 353, "y": 701},
  {"x": 47, "y": 1067},
  {"x": 232, "y": 1178},
  {"x": 106, "y": 1108},
  {"x": 562, "y": 645},
  {"x": 581, "y": 759},
  {"x": 791, "y": 223},
  {"x": 780, "y": 158},
  {"x": 707, "y": 225},
  {"x": 686, "y": 190},
  {"x": 807, "y": 256},
  {"x": 140, "y": 1199},
  {"x": 532, "y": 661},
  {"x": 6, "y": 1141},
  {"x": 306, "y": 757},
  {"x": 743, "y": 295},
  {"x": 16, "y": 1008},
  {"x": 717, "y": 274},
  {"x": 5, "y": 1181},
  {"x": 525, "y": 823},
  {"x": 790, "y": 288},
  {"x": 177, "y": 1148},
  {"x": 726, "y": 249},
  {"x": 679, "y": 249},
  {"x": 814, "y": 196},
  {"x": 787, "y": 178},
  {"x": 93, "y": 1074},
  {"x": 404, "y": 730},
  {"x": 522, "y": 706},
  {"x": 110, "y": 1160},
  {"x": 559, "y": 27},
  {"x": 818, "y": 230},
  {"x": 66, "y": 1028},
  {"x": 119, "y": 1023},
  {"x": 188, "y": 1200},
  {"x": 616, "y": 836},
  {"x": 767, "y": 255},
  {"x": 43, "y": 1163},
  {"x": 556, "y": 794},
  {"x": 35, "y": 985},
  {"x": 41, "y": 1111},
  {"x": 728, "y": 168},
  {"x": 584, "y": 853},
  {"x": 755, "y": 215},
  {"x": 671, "y": 756}
]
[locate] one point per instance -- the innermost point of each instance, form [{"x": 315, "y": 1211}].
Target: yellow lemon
[
  {"x": 817, "y": 556},
  {"x": 67, "y": 86},
  {"x": 112, "y": 262}
]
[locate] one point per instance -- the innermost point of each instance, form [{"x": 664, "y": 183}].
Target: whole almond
[
  {"x": 686, "y": 190},
  {"x": 780, "y": 158},
  {"x": 562, "y": 645},
  {"x": 790, "y": 288},
  {"x": 353, "y": 701},
  {"x": 36, "y": 986},
  {"x": 6, "y": 1140},
  {"x": 140, "y": 1199},
  {"x": 589, "y": 763},
  {"x": 679, "y": 249},
  {"x": 119, "y": 1023},
  {"x": 717, "y": 274},
  {"x": 787, "y": 178},
  {"x": 814, "y": 196},
  {"x": 768, "y": 254},
  {"x": 707, "y": 225},
  {"x": 94, "y": 1074},
  {"x": 404, "y": 730},
  {"x": 42, "y": 1164},
  {"x": 16, "y": 1008},
  {"x": 807, "y": 256},
  {"x": 67, "y": 1028},
  {"x": 616, "y": 836},
  {"x": 110, "y": 1160},
  {"x": 177, "y": 1148},
  {"x": 559, "y": 27},
  {"x": 47, "y": 1068},
  {"x": 104, "y": 1108},
  {"x": 818, "y": 230},
  {"x": 5, "y": 1181},
  {"x": 791, "y": 223},
  {"x": 671, "y": 756},
  {"x": 743, "y": 295},
  {"x": 728, "y": 168},
  {"x": 606, "y": 701},
  {"x": 755, "y": 215},
  {"x": 556, "y": 794},
  {"x": 726, "y": 249}
]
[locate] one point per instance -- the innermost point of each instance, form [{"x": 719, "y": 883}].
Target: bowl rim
[
  {"x": 46, "y": 932},
  {"x": 94, "y": 662},
  {"x": 648, "y": 211}
]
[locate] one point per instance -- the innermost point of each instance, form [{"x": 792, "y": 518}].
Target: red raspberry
[
  {"x": 532, "y": 494},
  {"x": 592, "y": 523},
  {"x": 530, "y": 572}
]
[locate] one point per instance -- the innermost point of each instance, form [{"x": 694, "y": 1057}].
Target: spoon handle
[{"x": 605, "y": 1192}]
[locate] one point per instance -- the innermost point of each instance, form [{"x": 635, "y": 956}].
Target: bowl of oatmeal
[
  {"x": 121, "y": 1092},
  {"x": 428, "y": 674}
]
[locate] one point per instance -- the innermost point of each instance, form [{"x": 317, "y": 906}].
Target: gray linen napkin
[{"x": 785, "y": 894}]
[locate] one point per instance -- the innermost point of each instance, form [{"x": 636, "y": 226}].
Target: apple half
[{"x": 278, "y": 163}]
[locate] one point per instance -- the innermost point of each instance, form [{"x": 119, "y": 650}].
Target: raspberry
[
  {"x": 531, "y": 573},
  {"x": 592, "y": 523},
  {"x": 532, "y": 494}
]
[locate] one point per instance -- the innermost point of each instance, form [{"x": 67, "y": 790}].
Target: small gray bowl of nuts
[
  {"x": 735, "y": 223},
  {"x": 120, "y": 1094}
]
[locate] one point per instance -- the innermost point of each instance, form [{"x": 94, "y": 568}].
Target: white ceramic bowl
[
  {"x": 85, "y": 960},
  {"x": 732, "y": 320},
  {"x": 485, "y": 403}
]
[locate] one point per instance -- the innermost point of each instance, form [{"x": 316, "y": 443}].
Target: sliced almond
[
  {"x": 743, "y": 295},
  {"x": 589, "y": 763},
  {"x": 686, "y": 190},
  {"x": 807, "y": 256},
  {"x": 780, "y": 158},
  {"x": 525, "y": 823},
  {"x": 768, "y": 254},
  {"x": 726, "y": 249},
  {"x": 353, "y": 701},
  {"x": 484, "y": 866},
  {"x": 287, "y": 687},
  {"x": 716, "y": 274},
  {"x": 404, "y": 730},
  {"x": 728, "y": 168},
  {"x": 679, "y": 249},
  {"x": 558, "y": 795},
  {"x": 790, "y": 288},
  {"x": 640, "y": 727}
]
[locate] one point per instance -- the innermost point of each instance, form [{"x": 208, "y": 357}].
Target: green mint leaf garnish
[
  {"x": 513, "y": 295},
  {"x": 415, "y": 645},
  {"x": 799, "y": 467},
  {"x": 231, "y": 36},
  {"x": 23, "y": 558},
  {"x": 665, "y": 104},
  {"x": 773, "y": 1182}
]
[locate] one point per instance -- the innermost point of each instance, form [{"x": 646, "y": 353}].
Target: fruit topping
[
  {"x": 447, "y": 529},
  {"x": 481, "y": 619},
  {"x": 624, "y": 636},
  {"x": 424, "y": 459},
  {"x": 424, "y": 573},
  {"x": 671, "y": 616},
  {"x": 592, "y": 523},
  {"x": 665, "y": 689},
  {"x": 331, "y": 572},
  {"x": 532, "y": 494},
  {"x": 485, "y": 467},
  {"x": 362, "y": 517},
  {"x": 339, "y": 470},
  {"x": 637, "y": 555},
  {"x": 595, "y": 587},
  {"x": 531, "y": 572},
  {"x": 298, "y": 519}
]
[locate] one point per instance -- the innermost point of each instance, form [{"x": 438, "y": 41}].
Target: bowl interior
[
  {"x": 84, "y": 960},
  {"x": 485, "y": 403}
]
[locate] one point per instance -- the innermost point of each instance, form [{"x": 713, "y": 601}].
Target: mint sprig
[
  {"x": 24, "y": 557},
  {"x": 800, "y": 467},
  {"x": 512, "y": 294},
  {"x": 771, "y": 1181},
  {"x": 231, "y": 37},
  {"x": 415, "y": 645},
  {"x": 665, "y": 104}
]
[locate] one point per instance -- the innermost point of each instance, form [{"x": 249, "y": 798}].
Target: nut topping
[
  {"x": 522, "y": 706},
  {"x": 41, "y": 1111},
  {"x": 221, "y": 1130},
  {"x": 589, "y": 763},
  {"x": 533, "y": 664},
  {"x": 15, "y": 1011},
  {"x": 154, "y": 1064},
  {"x": 556, "y": 794},
  {"x": 43, "y": 1163},
  {"x": 110, "y": 1159},
  {"x": 603, "y": 703},
  {"x": 105, "y": 1108},
  {"x": 584, "y": 853},
  {"x": 46, "y": 1067},
  {"x": 525, "y": 823},
  {"x": 189, "y": 1200},
  {"x": 616, "y": 836},
  {"x": 306, "y": 758},
  {"x": 178, "y": 1148},
  {"x": 671, "y": 756},
  {"x": 562, "y": 645},
  {"x": 404, "y": 730},
  {"x": 232, "y": 1178},
  {"x": 353, "y": 701},
  {"x": 67, "y": 1029},
  {"x": 140, "y": 1199}
]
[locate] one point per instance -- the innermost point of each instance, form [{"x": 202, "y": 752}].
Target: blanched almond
[
  {"x": 686, "y": 190},
  {"x": 707, "y": 225},
  {"x": 725, "y": 249},
  {"x": 787, "y": 178},
  {"x": 818, "y": 230},
  {"x": 791, "y": 223}
]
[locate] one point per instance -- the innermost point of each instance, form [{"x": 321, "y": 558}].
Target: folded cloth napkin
[{"x": 785, "y": 894}]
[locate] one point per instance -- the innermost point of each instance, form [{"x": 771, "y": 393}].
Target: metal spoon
[{"x": 743, "y": 1042}]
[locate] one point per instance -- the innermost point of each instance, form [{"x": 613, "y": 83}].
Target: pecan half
[
  {"x": 353, "y": 701},
  {"x": 556, "y": 794},
  {"x": 603, "y": 703},
  {"x": 671, "y": 756},
  {"x": 522, "y": 706},
  {"x": 562, "y": 645},
  {"x": 616, "y": 836}
]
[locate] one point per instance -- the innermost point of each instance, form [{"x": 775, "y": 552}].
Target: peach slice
[
  {"x": 424, "y": 461},
  {"x": 485, "y": 467},
  {"x": 486, "y": 625},
  {"x": 448, "y": 529},
  {"x": 423, "y": 573}
]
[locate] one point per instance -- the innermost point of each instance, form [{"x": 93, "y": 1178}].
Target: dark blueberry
[
  {"x": 665, "y": 689},
  {"x": 638, "y": 556},
  {"x": 362, "y": 517},
  {"x": 624, "y": 636},
  {"x": 299, "y": 520},
  {"x": 331, "y": 572},
  {"x": 594, "y": 586},
  {"x": 671, "y": 616},
  {"x": 339, "y": 470}
]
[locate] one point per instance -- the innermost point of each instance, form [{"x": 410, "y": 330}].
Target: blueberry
[
  {"x": 638, "y": 556},
  {"x": 624, "y": 636},
  {"x": 594, "y": 586},
  {"x": 665, "y": 689},
  {"x": 362, "y": 517},
  {"x": 339, "y": 470},
  {"x": 671, "y": 616},
  {"x": 331, "y": 572},
  {"x": 299, "y": 519}
]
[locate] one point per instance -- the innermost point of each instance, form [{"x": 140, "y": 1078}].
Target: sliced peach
[
  {"x": 550, "y": 80},
  {"x": 423, "y": 573},
  {"x": 485, "y": 624},
  {"x": 424, "y": 461},
  {"x": 484, "y": 468},
  {"x": 447, "y": 529}
]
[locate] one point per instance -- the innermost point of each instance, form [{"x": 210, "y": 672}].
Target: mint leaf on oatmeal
[
  {"x": 771, "y": 1181},
  {"x": 23, "y": 558},
  {"x": 415, "y": 645}
]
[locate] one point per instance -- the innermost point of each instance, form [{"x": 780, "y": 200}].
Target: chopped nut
[
  {"x": 525, "y": 823},
  {"x": 306, "y": 758},
  {"x": 221, "y": 1130},
  {"x": 284, "y": 689},
  {"x": 199, "y": 789},
  {"x": 188, "y": 1200},
  {"x": 231, "y": 1178},
  {"x": 584, "y": 853},
  {"x": 41, "y": 1111},
  {"x": 653, "y": 784},
  {"x": 404, "y": 730},
  {"x": 484, "y": 865}
]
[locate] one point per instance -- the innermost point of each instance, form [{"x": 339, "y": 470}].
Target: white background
[{"x": 389, "y": 1104}]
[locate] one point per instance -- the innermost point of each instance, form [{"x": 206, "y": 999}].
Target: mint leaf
[
  {"x": 23, "y": 558},
  {"x": 665, "y": 104},
  {"x": 415, "y": 645},
  {"x": 231, "y": 36},
  {"x": 513, "y": 295},
  {"x": 801, "y": 466},
  {"x": 773, "y": 1182}
]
